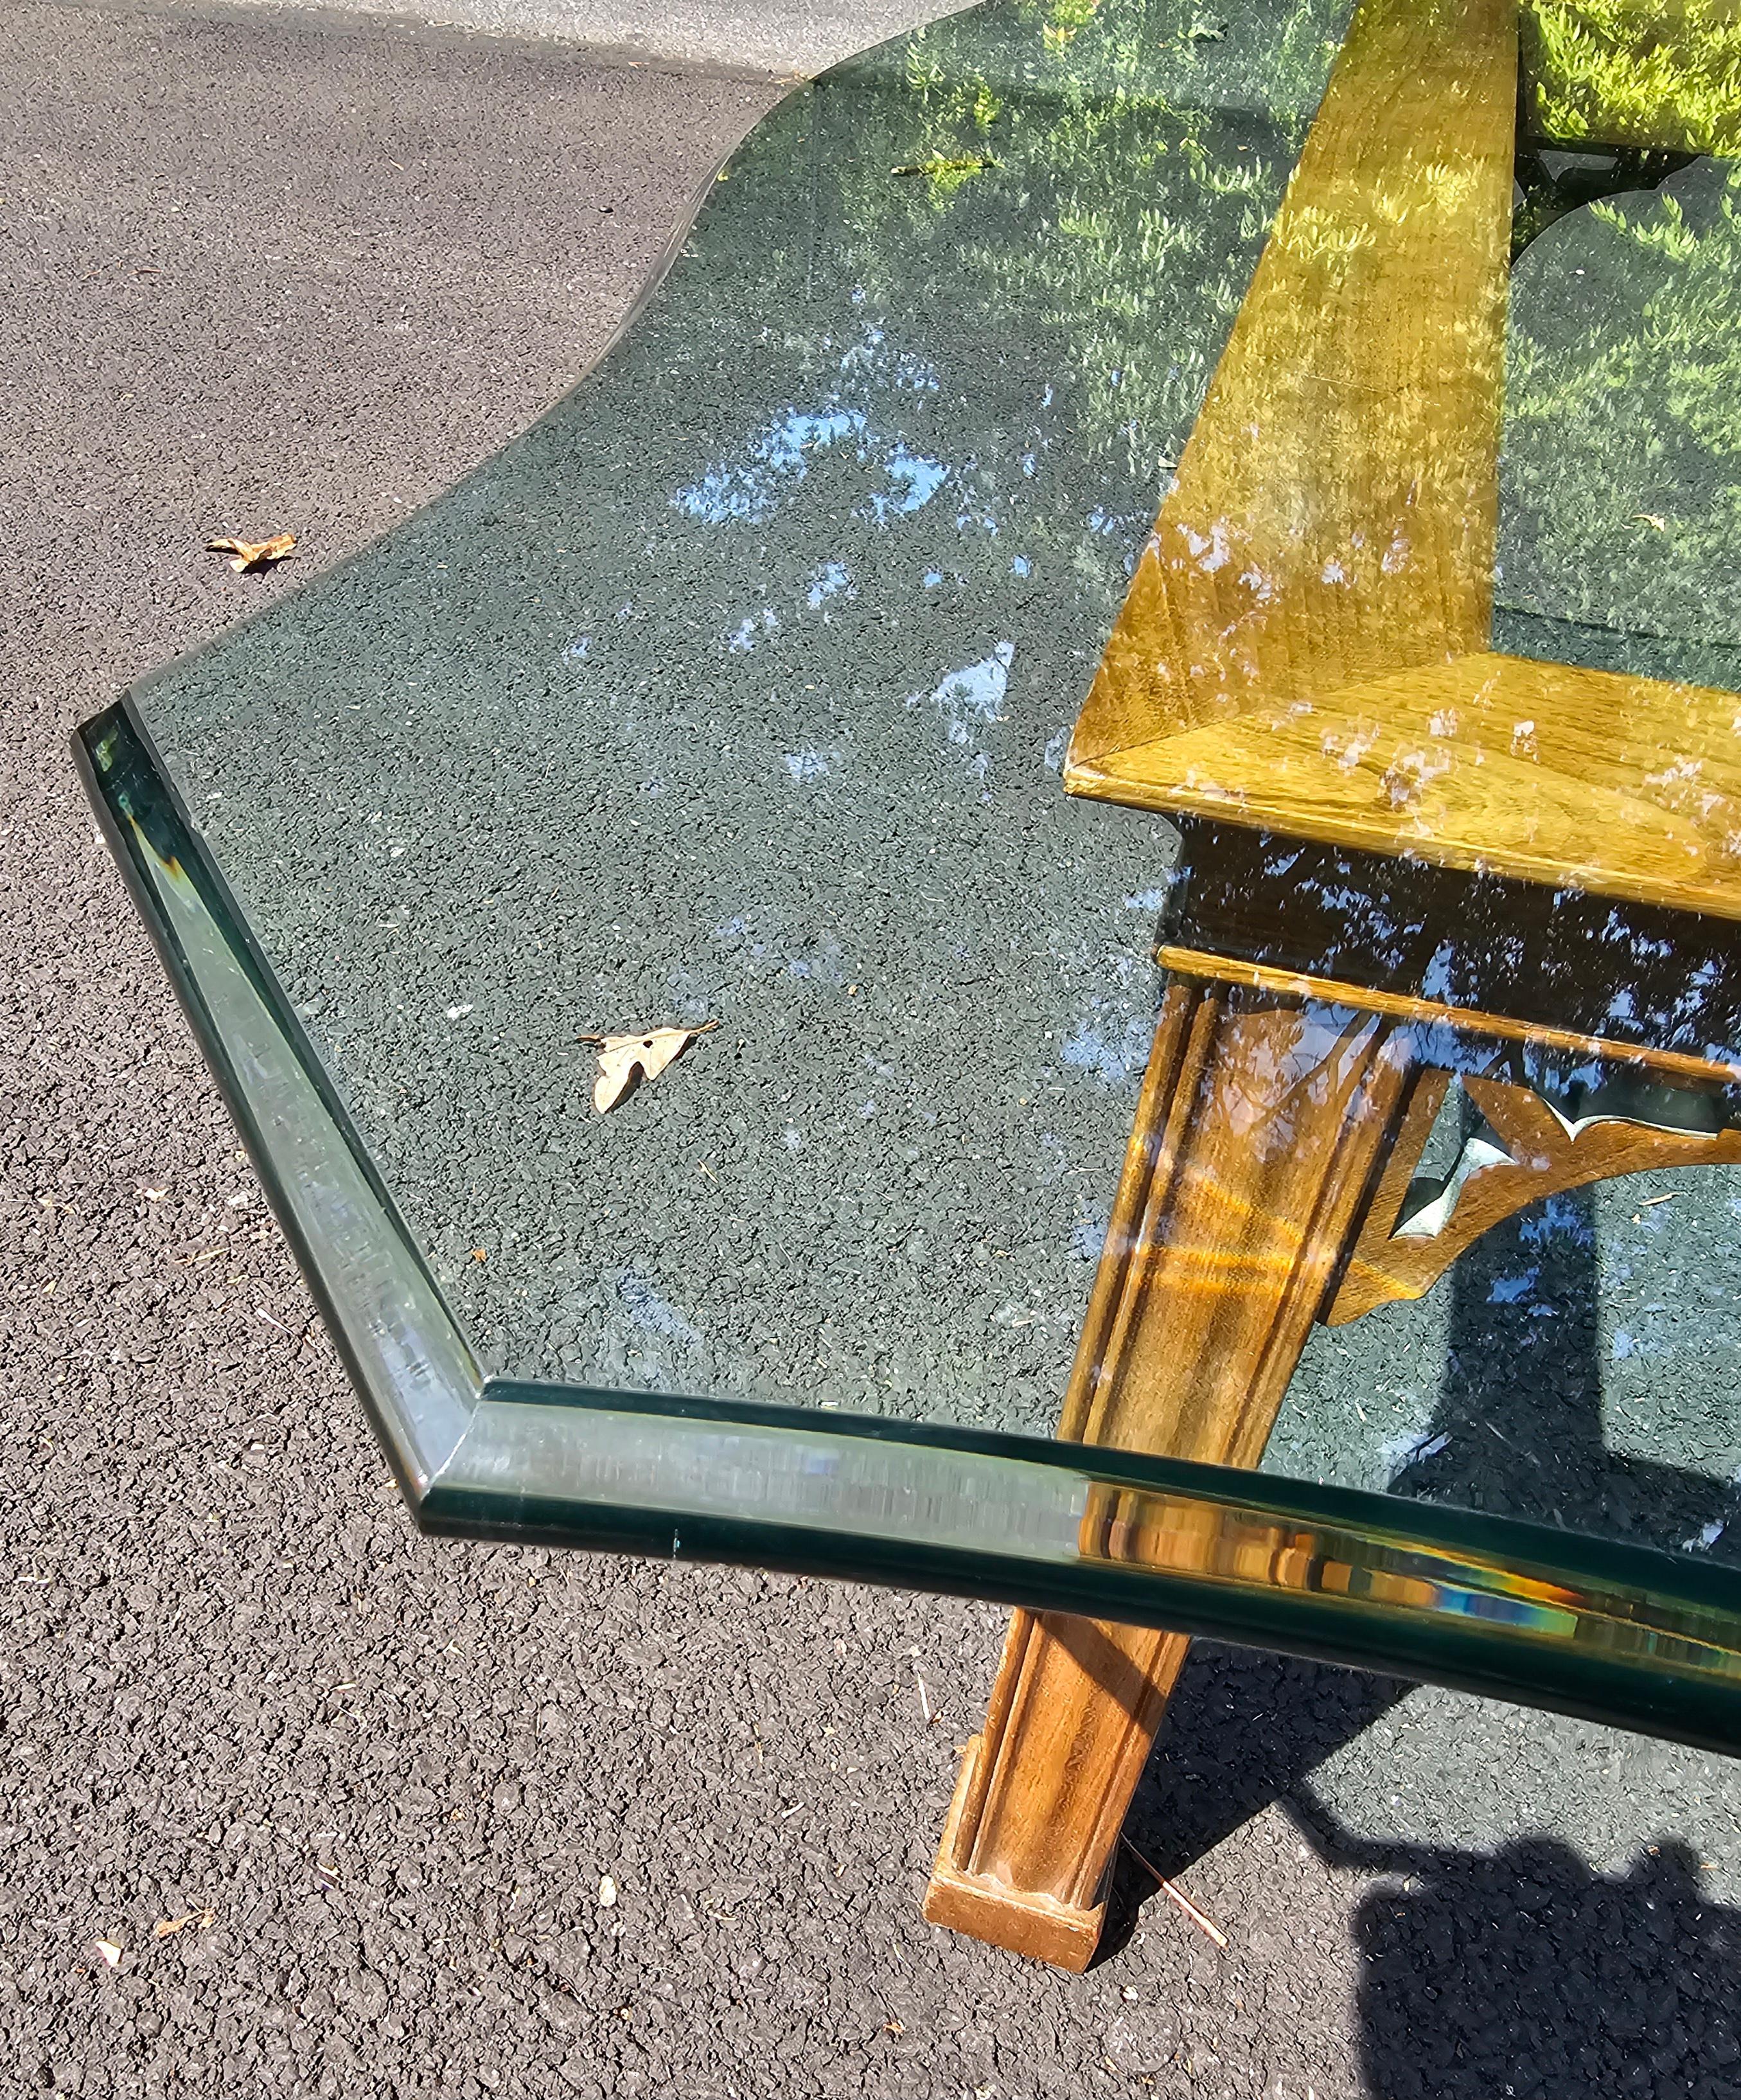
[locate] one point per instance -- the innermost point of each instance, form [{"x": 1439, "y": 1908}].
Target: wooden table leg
[{"x": 1262, "y": 1125}]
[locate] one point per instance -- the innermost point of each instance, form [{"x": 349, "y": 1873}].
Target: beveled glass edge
[
  {"x": 1620, "y": 1634},
  {"x": 414, "y": 1368}
]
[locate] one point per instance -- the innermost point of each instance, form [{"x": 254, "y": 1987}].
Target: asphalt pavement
[
  {"x": 295, "y": 1801},
  {"x": 789, "y": 39}
]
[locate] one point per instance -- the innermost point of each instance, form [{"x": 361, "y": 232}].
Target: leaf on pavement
[
  {"x": 622, "y": 1060},
  {"x": 247, "y": 554}
]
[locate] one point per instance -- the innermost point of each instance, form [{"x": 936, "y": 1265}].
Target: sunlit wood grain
[{"x": 1304, "y": 646}]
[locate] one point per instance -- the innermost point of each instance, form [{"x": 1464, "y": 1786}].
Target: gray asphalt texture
[
  {"x": 264, "y": 270},
  {"x": 788, "y": 39}
]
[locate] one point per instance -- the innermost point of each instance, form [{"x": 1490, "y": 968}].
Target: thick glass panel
[{"x": 738, "y": 695}]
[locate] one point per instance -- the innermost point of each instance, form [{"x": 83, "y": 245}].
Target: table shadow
[
  {"x": 1526, "y": 1972},
  {"x": 1519, "y": 1429}
]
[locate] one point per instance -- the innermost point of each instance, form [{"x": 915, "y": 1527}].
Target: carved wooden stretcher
[{"x": 1548, "y": 858}]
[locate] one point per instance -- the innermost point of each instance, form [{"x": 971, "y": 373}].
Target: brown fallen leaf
[
  {"x": 246, "y": 554},
  {"x": 165, "y": 1925},
  {"x": 622, "y": 1058}
]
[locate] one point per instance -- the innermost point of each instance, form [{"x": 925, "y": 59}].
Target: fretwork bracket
[
  {"x": 1638, "y": 1110},
  {"x": 1409, "y": 1236}
]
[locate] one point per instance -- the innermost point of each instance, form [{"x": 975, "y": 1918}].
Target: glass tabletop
[{"x": 735, "y": 697}]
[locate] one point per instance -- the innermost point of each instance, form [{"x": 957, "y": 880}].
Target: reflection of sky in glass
[
  {"x": 777, "y": 459},
  {"x": 973, "y": 694},
  {"x": 832, "y": 579},
  {"x": 780, "y": 454}
]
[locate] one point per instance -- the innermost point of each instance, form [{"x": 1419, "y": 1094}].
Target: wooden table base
[
  {"x": 1033, "y": 1823},
  {"x": 1306, "y": 649},
  {"x": 1262, "y": 1127},
  {"x": 1274, "y": 1142}
]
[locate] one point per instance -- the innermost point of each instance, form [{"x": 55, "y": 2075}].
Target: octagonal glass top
[{"x": 735, "y": 696}]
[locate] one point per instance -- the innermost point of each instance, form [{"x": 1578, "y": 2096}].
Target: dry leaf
[
  {"x": 647, "y": 1053},
  {"x": 108, "y": 1950},
  {"x": 247, "y": 554},
  {"x": 165, "y": 1925}
]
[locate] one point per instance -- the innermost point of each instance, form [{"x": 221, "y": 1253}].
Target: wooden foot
[
  {"x": 1262, "y": 1125},
  {"x": 1037, "y": 1808}
]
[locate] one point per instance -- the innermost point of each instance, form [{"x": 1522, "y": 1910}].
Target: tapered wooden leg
[{"x": 1262, "y": 1124}]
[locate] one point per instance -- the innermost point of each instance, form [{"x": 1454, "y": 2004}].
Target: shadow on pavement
[
  {"x": 1244, "y": 1729},
  {"x": 1524, "y": 1973},
  {"x": 1518, "y": 1427}
]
